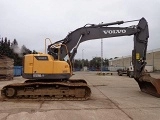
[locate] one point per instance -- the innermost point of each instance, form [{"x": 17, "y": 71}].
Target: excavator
[{"x": 48, "y": 75}]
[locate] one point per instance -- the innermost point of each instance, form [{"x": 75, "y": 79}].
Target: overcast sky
[{"x": 31, "y": 21}]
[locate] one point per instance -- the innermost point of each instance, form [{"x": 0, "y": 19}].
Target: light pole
[
  {"x": 82, "y": 59},
  {"x": 101, "y": 54},
  {"x": 153, "y": 59}
]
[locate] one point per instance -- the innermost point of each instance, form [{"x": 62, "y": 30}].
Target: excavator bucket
[{"x": 149, "y": 85}]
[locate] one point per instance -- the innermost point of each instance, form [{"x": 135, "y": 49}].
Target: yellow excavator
[{"x": 48, "y": 75}]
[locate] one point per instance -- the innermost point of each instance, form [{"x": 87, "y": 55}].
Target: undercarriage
[{"x": 39, "y": 90}]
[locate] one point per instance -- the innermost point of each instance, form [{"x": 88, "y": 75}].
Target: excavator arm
[{"x": 91, "y": 31}]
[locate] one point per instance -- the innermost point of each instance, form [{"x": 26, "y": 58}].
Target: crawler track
[{"x": 29, "y": 90}]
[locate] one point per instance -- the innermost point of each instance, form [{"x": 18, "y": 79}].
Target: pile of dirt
[{"x": 6, "y": 68}]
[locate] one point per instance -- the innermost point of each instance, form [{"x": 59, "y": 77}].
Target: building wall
[
  {"x": 156, "y": 60},
  {"x": 152, "y": 58}
]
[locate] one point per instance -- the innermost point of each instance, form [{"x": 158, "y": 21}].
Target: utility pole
[
  {"x": 101, "y": 54},
  {"x": 82, "y": 59},
  {"x": 153, "y": 59}
]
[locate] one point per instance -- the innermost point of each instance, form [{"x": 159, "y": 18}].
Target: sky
[{"x": 31, "y": 21}]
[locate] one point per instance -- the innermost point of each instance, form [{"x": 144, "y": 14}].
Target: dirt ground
[{"x": 113, "y": 98}]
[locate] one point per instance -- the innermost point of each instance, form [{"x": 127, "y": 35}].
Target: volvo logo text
[{"x": 114, "y": 31}]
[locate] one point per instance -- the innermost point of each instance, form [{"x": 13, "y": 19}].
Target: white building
[{"x": 152, "y": 58}]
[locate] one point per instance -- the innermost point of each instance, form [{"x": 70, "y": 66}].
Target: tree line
[
  {"x": 94, "y": 64},
  {"x": 12, "y": 50}
]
